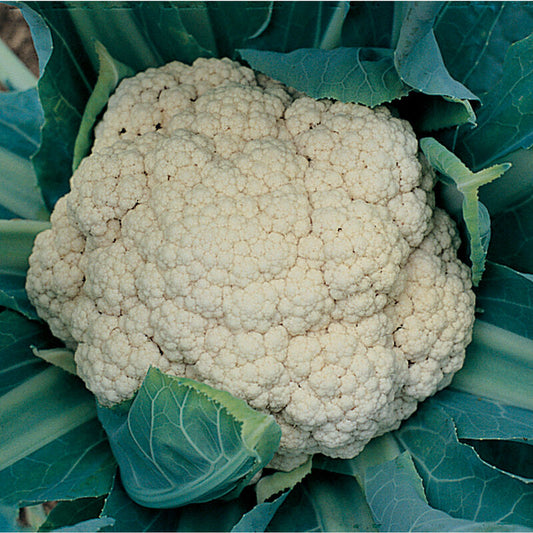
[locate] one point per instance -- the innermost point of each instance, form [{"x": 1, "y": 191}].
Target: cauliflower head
[{"x": 287, "y": 250}]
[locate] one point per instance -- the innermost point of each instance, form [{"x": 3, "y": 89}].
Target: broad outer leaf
[
  {"x": 480, "y": 418},
  {"x": 505, "y": 121},
  {"x": 182, "y": 442},
  {"x": 505, "y": 299},
  {"x": 52, "y": 445},
  {"x": 454, "y": 477},
  {"x": 362, "y": 75},
  {"x": 64, "y": 88},
  {"x": 417, "y": 57},
  {"x": 396, "y": 496},
  {"x": 474, "y": 37}
]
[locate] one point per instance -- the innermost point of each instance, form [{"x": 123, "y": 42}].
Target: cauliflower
[{"x": 287, "y": 250}]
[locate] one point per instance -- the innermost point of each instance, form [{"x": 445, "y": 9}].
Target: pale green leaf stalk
[
  {"x": 468, "y": 183},
  {"x": 14, "y": 74},
  {"x": 24, "y": 430},
  {"x": 16, "y": 243},
  {"x": 61, "y": 357},
  {"x": 110, "y": 73}
]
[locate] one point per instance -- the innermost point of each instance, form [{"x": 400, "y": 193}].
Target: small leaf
[
  {"x": 181, "y": 442},
  {"x": 60, "y": 357},
  {"x": 278, "y": 482},
  {"x": 362, "y": 75},
  {"x": 468, "y": 183},
  {"x": 110, "y": 73},
  {"x": 260, "y": 516}
]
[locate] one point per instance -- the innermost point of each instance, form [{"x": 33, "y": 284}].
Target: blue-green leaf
[
  {"x": 396, "y": 496},
  {"x": 481, "y": 418},
  {"x": 52, "y": 447},
  {"x": 324, "y": 502},
  {"x": 181, "y": 442},
  {"x": 260, "y": 516},
  {"x": 505, "y": 299},
  {"x": 417, "y": 57},
  {"x": 363, "y": 75},
  {"x": 505, "y": 121},
  {"x": 295, "y": 25},
  {"x": 474, "y": 37},
  {"x": 456, "y": 480}
]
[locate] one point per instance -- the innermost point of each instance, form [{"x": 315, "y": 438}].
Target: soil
[{"x": 16, "y": 34}]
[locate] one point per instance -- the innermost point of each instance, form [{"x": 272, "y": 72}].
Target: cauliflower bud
[{"x": 286, "y": 250}]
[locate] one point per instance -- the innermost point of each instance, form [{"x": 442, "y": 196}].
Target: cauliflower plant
[{"x": 287, "y": 250}]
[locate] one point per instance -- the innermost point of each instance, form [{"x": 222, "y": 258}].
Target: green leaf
[
  {"x": 296, "y": 25},
  {"x": 278, "y": 482},
  {"x": 499, "y": 366},
  {"x": 480, "y": 418},
  {"x": 13, "y": 295},
  {"x": 128, "y": 516},
  {"x": 396, "y": 495},
  {"x": 16, "y": 244},
  {"x": 260, "y": 516},
  {"x": 60, "y": 357},
  {"x": 52, "y": 445},
  {"x": 324, "y": 502},
  {"x": 505, "y": 121},
  {"x": 18, "y": 363},
  {"x": 182, "y": 442},
  {"x": 456, "y": 480},
  {"x": 474, "y": 37},
  {"x": 142, "y": 34},
  {"x": 512, "y": 230},
  {"x": 505, "y": 299},
  {"x": 468, "y": 183},
  {"x": 64, "y": 88},
  {"x": 417, "y": 57},
  {"x": 110, "y": 73},
  {"x": 362, "y": 75},
  {"x": 19, "y": 191},
  {"x": 233, "y": 23},
  {"x": 69, "y": 513}
]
